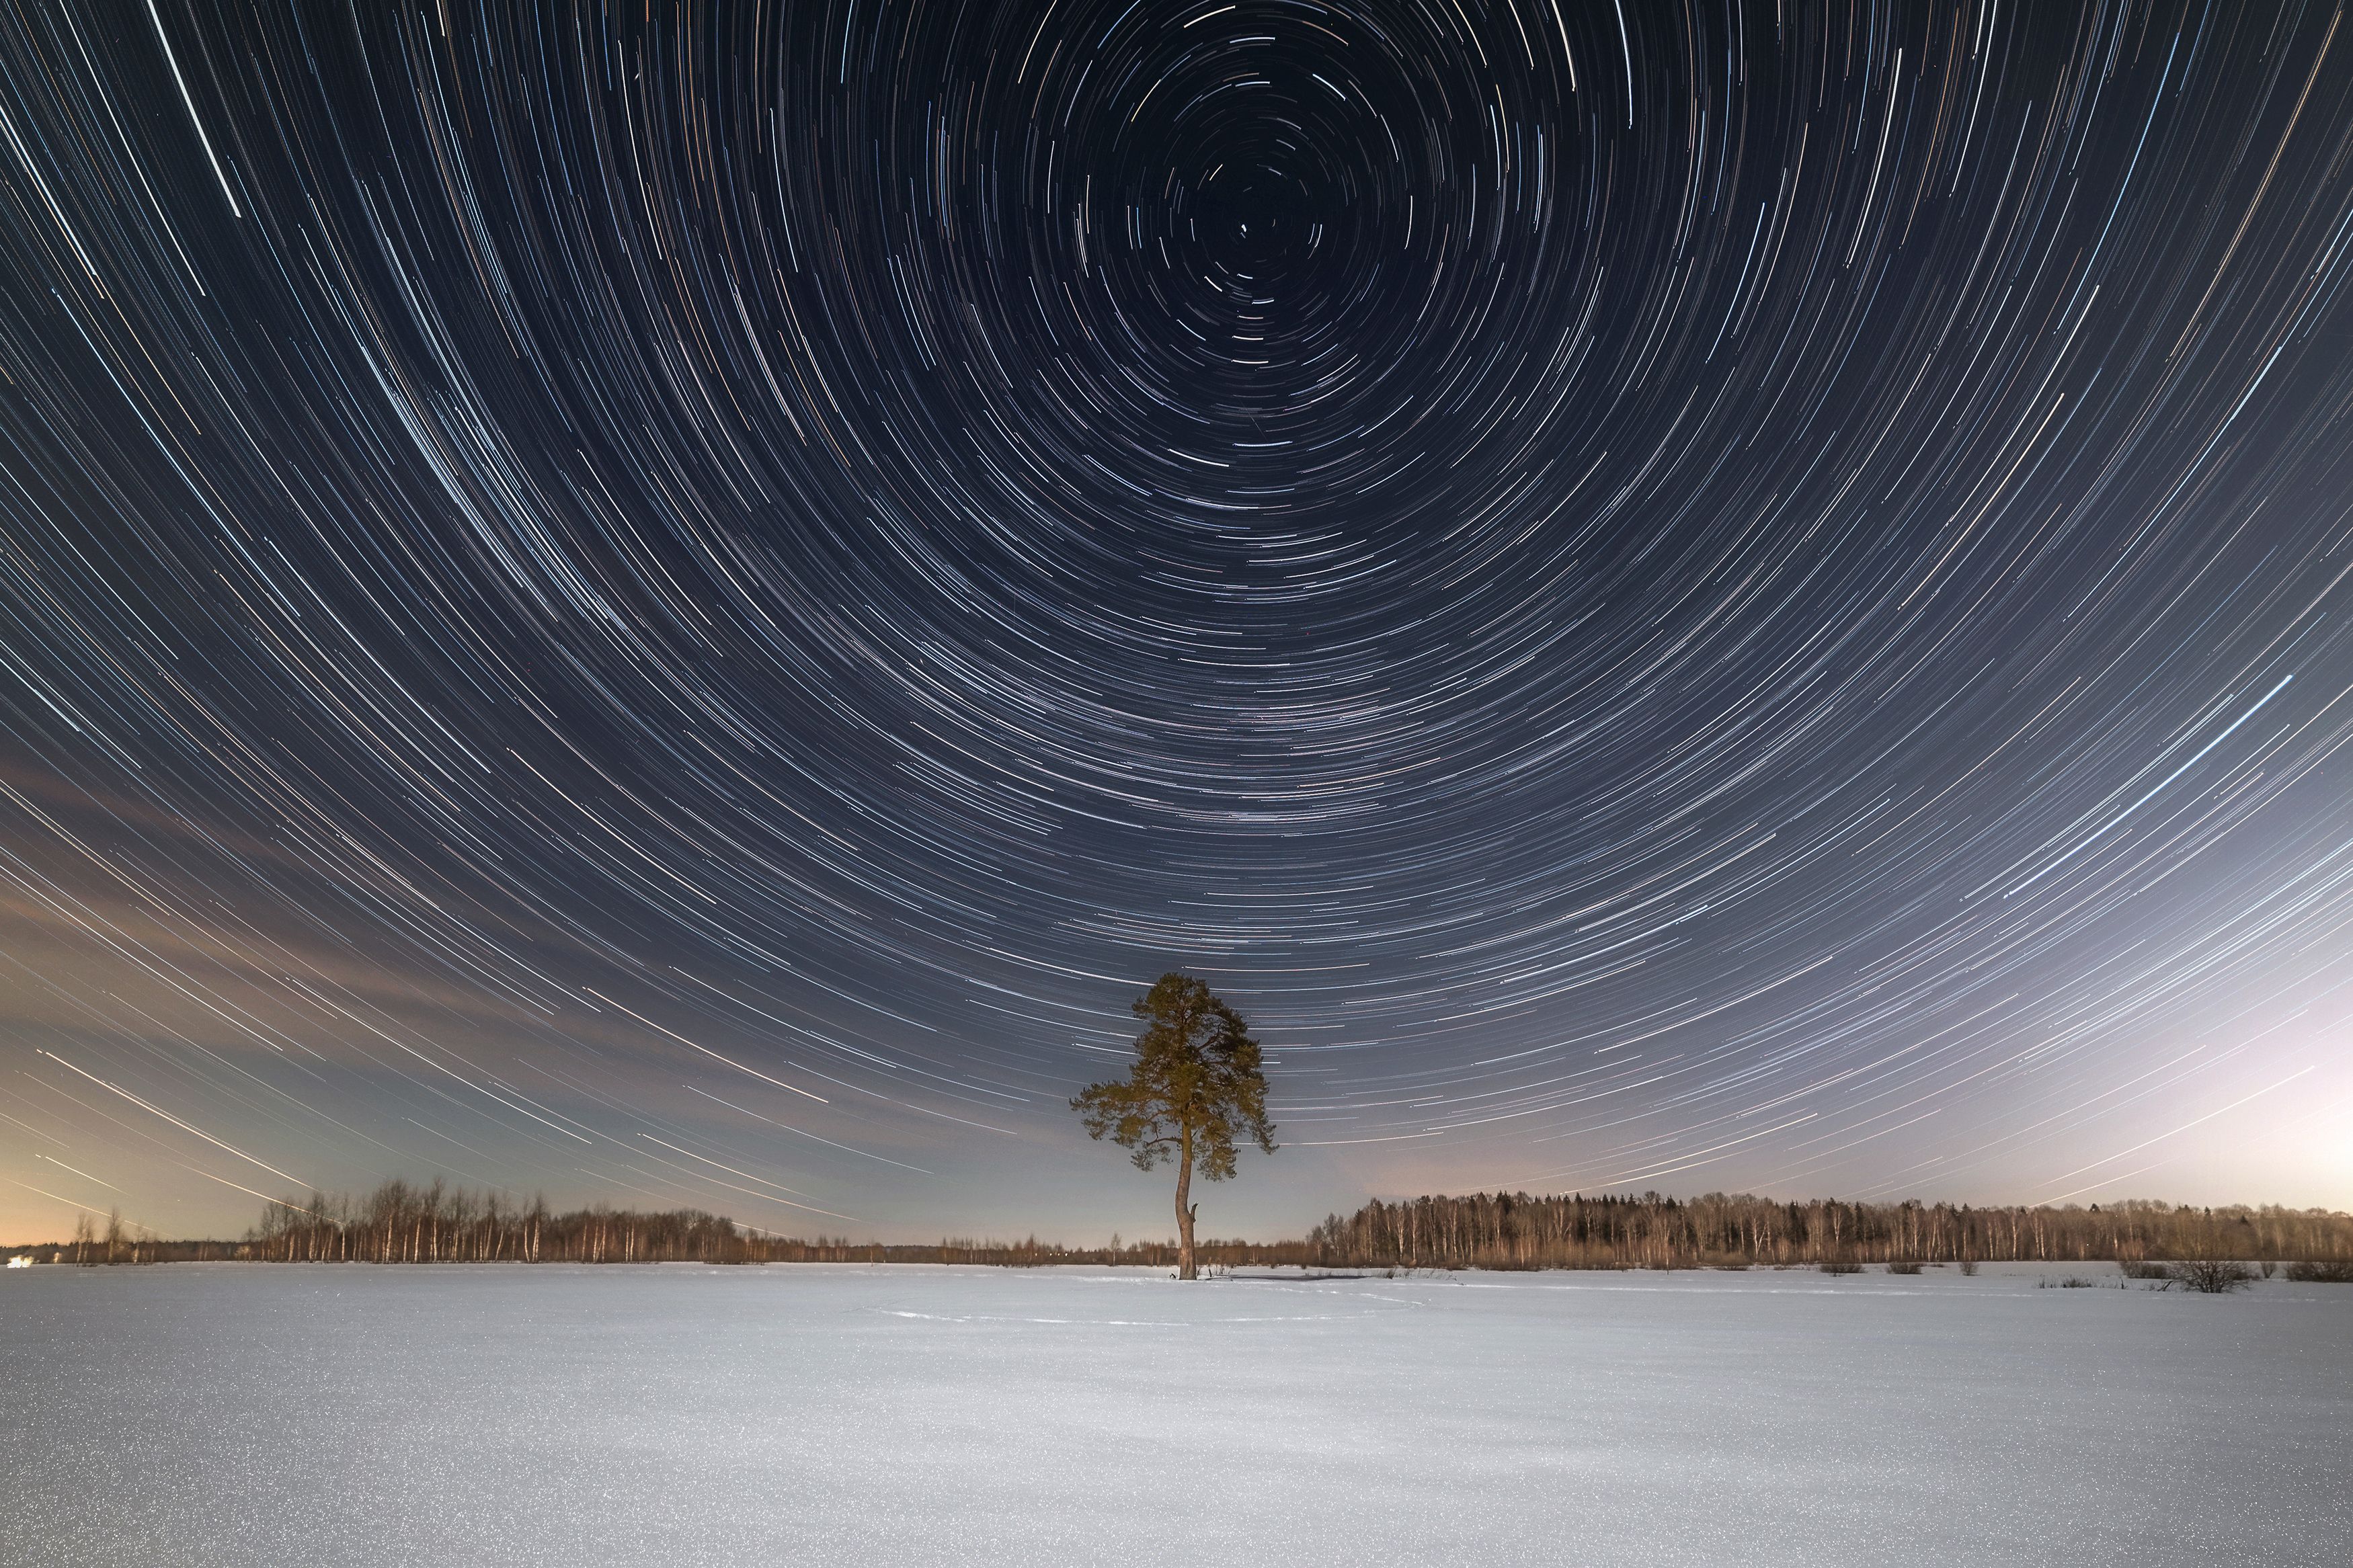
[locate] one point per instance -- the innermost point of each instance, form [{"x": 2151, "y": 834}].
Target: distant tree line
[
  {"x": 403, "y": 1222},
  {"x": 119, "y": 1242},
  {"x": 1514, "y": 1230}
]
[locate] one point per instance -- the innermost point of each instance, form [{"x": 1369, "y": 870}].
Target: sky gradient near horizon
[{"x": 679, "y": 607}]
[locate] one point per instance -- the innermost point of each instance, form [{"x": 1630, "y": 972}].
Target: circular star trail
[{"x": 682, "y": 606}]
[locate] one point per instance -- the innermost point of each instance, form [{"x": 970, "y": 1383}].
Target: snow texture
[{"x": 682, "y": 1416}]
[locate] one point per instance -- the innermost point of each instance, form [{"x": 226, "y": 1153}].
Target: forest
[
  {"x": 1514, "y": 1230},
  {"x": 405, "y": 1222}
]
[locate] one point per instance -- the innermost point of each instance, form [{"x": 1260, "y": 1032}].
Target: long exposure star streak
[{"x": 678, "y": 605}]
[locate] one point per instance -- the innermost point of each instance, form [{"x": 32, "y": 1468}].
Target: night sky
[{"x": 680, "y": 605}]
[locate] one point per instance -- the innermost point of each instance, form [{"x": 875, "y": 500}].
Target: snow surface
[{"x": 680, "y": 1417}]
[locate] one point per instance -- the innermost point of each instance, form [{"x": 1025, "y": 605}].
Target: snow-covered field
[{"x": 680, "y": 1417}]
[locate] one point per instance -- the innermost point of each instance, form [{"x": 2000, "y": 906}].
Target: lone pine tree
[{"x": 1196, "y": 1089}]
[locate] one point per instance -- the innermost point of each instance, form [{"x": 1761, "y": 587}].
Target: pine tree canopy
[{"x": 1197, "y": 1071}]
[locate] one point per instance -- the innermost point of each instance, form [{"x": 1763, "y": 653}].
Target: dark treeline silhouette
[
  {"x": 403, "y": 1222},
  {"x": 1513, "y": 1230},
  {"x": 121, "y": 1243}
]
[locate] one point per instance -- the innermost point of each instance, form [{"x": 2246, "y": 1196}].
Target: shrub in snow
[{"x": 2210, "y": 1275}]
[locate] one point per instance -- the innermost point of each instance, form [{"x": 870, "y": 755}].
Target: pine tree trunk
[{"x": 1185, "y": 1268}]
